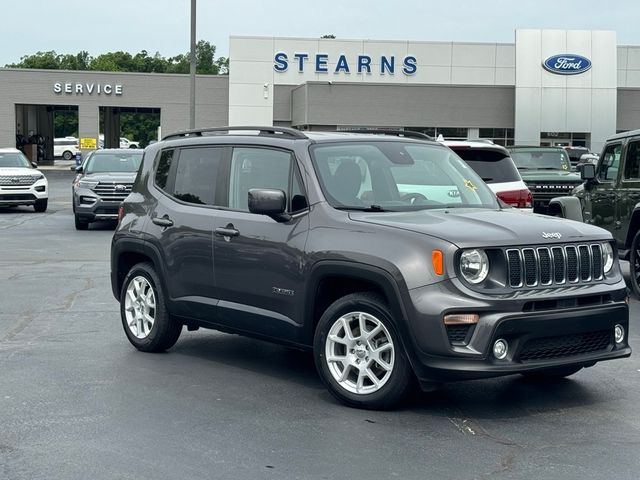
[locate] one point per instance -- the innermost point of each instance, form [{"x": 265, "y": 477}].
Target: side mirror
[
  {"x": 34, "y": 164},
  {"x": 270, "y": 202},
  {"x": 78, "y": 169},
  {"x": 588, "y": 171}
]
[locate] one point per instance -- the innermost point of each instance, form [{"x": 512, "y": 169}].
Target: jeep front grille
[
  {"x": 14, "y": 180},
  {"x": 113, "y": 191},
  {"x": 531, "y": 267}
]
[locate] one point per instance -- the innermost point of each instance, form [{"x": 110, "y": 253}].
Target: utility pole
[{"x": 192, "y": 69}]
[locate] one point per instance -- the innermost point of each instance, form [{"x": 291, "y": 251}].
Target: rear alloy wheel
[
  {"x": 634, "y": 265},
  {"x": 145, "y": 319},
  {"x": 67, "y": 155},
  {"x": 359, "y": 355},
  {"x": 41, "y": 205},
  {"x": 81, "y": 224}
]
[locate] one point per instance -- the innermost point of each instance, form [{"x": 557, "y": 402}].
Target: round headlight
[
  {"x": 607, "y": 257},
  {"x": 474, "y": 265}
]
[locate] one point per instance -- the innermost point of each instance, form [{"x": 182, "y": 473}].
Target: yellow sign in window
[{"x": 88, "y": 144}]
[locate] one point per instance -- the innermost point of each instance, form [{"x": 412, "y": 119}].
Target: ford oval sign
[{"x": 567, "y": 64}]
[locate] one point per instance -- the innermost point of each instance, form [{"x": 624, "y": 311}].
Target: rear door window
[
  {"x": 492, "y": 166},
  {"x": 197, "y": 174}
]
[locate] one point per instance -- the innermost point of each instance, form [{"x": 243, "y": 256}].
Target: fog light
[
  {"x": 618, "y": 333},
  {"x": 500, "y": 349}
]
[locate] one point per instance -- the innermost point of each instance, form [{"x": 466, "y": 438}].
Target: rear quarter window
[{"x": 492, "y": 166}]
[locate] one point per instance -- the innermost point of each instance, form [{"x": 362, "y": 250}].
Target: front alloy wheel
[{"x": 358, "y": 352}]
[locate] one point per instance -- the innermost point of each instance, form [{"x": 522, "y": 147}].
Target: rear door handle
[
  {"x": 226, "y": 232},
  {"x": 163, "y": 221}
]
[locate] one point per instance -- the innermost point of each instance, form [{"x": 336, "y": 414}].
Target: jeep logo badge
[{"x": 557, "y": 235}]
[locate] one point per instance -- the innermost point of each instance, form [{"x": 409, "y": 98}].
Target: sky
[{"x": 68, "y": 26}]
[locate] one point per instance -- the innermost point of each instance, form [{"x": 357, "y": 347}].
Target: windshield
[
  {"x": 541, "y": 159},
  {"x": 397, "y": 176},
  {"x": 14, "y": 159},
  {"x": 113, "y": 162}
]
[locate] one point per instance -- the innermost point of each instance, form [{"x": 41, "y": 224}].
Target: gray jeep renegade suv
[{"x": 388, "y": 257}]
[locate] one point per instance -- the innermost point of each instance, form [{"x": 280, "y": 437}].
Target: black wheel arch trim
[
  {"x": 123, "y": 246},
  {"x": 390, "y": 285}
]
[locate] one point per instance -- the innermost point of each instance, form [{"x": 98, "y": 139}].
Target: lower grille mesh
[{"x": 565, "y": 346}]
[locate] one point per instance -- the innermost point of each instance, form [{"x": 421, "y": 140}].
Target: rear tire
[
  {"x": 359, "y": 355},
  {"x": 41, "y": 205},
  {"x": 143, "y": 312},
  {"x": 551, "y": 373},
  {"x": 81, "y": 224},
  {"x": 634, "y": 265},
  {"x": 67, "y": 155}
]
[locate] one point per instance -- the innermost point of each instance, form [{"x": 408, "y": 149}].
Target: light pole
[{"x": 192, "y": 68}]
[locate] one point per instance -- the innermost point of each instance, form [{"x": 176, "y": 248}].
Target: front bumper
[
  {"x": 24, "y": 194},
  {"x": 90, "y": 207},
  {"x": 538, "y": 339}
]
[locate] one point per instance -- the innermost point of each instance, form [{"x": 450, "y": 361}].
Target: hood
[
  {"x": 124, "y": 177},
  {"x": 486, "y": 228},
  {"x": 559, "y": 176},
  {"x": 18, "y": 171}
]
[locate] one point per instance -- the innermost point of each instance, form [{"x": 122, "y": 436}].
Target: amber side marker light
[
  {"x": 461, "y": 318},
  {"x": 437, "y": 259}
]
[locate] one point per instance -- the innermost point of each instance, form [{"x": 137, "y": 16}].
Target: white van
[{"x": 66, "y": 147}]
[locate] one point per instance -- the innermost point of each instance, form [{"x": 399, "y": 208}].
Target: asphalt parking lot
[{"x": 78, "y": 402}]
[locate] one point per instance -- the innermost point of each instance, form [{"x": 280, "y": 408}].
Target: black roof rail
[
  {"x": 397, "y": 133},
  {"x": 199, "y": 132}
]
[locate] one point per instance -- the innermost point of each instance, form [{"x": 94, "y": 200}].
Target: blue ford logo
[{"x": 567, "y": 64}]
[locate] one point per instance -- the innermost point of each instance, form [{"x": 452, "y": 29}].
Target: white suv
[
  {"x": 20, "y": 182},
  {"x": 496, "y": 167},
  {"x": 66, "y": 147}
]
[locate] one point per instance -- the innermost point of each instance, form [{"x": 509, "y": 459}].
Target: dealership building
[{"x": 549, "y": 87}]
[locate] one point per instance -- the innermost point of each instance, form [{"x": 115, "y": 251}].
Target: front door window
[{"x": 610, "y": 163}]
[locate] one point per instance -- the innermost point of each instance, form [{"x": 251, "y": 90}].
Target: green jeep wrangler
[
  {"x": 547, "y": 173},
  {"x": 610, "y": 198}
]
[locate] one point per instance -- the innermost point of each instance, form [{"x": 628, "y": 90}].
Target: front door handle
[
  {"x": 163, "y": 221},
  {"x": 226, "y": 232}
]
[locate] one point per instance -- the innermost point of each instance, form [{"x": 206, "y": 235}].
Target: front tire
[
  {"x": 143, "y": 312},
  {"x": 634, "y": 265},
  {"x": 41, "y": 205},
  {"x": 358, "y": 353},
  {"x": 81, "y": 224}
]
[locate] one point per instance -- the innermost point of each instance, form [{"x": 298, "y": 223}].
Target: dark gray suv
[
  {"x": 388, "y": 257},
  {"x": 104, "y": 180}
]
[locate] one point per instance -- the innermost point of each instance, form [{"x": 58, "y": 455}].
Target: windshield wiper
[{"x": 370, "y": 208}]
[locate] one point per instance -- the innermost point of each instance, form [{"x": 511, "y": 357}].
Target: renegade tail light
[
  {"x": 120, "y": 213},
  {"x": 517, "y": 198}
]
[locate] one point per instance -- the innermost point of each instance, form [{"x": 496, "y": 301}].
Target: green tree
[{"x": 206, "y": 61}]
